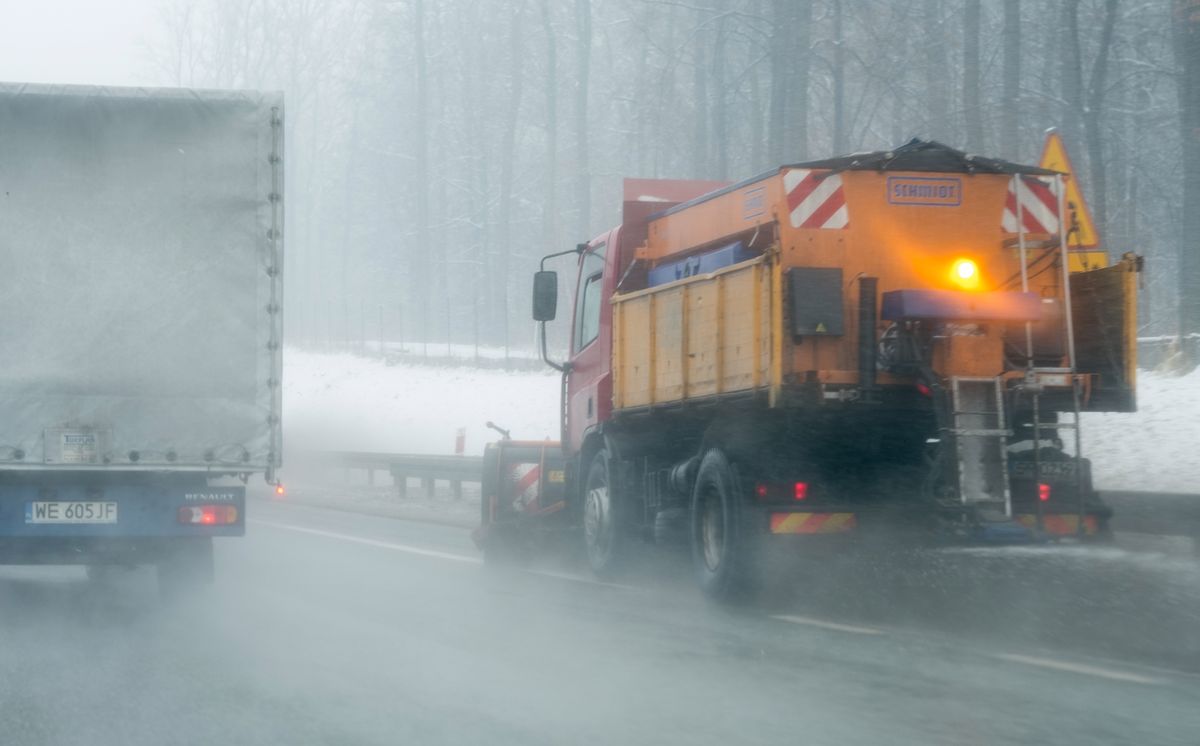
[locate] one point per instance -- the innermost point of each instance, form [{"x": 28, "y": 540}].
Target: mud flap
[{"x": 1104, "y": 312}]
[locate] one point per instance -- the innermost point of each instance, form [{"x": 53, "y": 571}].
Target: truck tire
[
  {"x": 605, "y": 530},
  {"x": 723, "y": 545},
  {"x": 186, "y": 567}
]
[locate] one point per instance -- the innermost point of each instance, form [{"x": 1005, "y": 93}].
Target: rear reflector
[
  {"x": 800, "y": 491},
  {"x": 208, "y": 515},
  {"x": 1057, "y": 524},
  {"x": 812, "y": 523}
]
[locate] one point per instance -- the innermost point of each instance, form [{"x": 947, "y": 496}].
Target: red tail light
[
  {"x": 208, "y": 515},
  {"x": 1043, "y": 492},
  {"x": 800, "y": 490},
  {"x": 760, "y": 491},
  {"x": 924, "y": 390}
]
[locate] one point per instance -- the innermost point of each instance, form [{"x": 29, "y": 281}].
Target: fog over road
[{"x": 328, "y": 627}]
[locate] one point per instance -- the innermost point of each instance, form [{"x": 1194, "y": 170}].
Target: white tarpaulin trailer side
[{"x": 140, "y": 278}]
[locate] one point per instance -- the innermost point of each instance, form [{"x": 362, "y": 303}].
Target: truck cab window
[{"x": 587, "y": 303}]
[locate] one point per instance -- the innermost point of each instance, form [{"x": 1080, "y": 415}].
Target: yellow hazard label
[
  {"x": 821, "y": 326},
  {"x": 1054, "y": 156},
  {"x": 1083, "y": 261},
  {"x": 556, "y": 476}
]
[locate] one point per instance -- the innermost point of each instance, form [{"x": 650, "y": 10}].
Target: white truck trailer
[{"x": 141, "y": 257}]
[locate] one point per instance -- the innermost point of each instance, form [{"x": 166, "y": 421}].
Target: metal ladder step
[{"x": 981, "y": 436}]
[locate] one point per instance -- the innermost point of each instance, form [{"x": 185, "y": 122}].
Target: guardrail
[
  {"x": 402, "y": 466},
  {"x": 1159, "y": 514}
]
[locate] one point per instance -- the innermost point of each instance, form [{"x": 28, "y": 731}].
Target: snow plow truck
[{"x": 884, "y": 343}]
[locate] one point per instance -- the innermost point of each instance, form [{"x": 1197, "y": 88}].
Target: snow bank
[
  {"x": 344, "y": 402},
  {"x": 347, "y": 403},
  {"x": 1155, "y": 448}
]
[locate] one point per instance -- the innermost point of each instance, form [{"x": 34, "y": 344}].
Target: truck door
[
  {"x": 1104, "y": 313},
  {"x": 591, "y": 338}
]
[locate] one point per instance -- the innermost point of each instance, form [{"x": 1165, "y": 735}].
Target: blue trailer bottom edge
[{"x": 118, "y": 506}]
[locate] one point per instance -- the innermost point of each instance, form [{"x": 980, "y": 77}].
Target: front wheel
[
  {"x": 604, "y": 528},
  {"x": 723, "y": 544}
]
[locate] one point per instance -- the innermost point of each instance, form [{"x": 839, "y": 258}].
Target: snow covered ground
[
  {"x": 344, "y": 402},
  {"x": 1155, "y": 448}
]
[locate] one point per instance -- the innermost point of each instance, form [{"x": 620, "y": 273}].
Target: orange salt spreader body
[{"x": 846, "y": 347}]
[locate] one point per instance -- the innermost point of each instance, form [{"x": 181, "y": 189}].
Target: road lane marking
[
  {"x": 580, "y": 579},
  {"x": 809, "y": 621},
  {"x": 406, "y": 548},
  {"x": 409, "y": 549},
  {"x": 1080, "y": 668}
]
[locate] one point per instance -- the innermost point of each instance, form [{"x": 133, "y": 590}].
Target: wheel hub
[
  {"x": 597, "y": 521},
  {"x": 712, "y": 533}
]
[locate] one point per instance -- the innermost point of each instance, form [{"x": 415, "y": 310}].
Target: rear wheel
[
  {"x": 187, "y": 567},
  {"x": 605, "y": 532},
  {"x": 723, "y": 544}
]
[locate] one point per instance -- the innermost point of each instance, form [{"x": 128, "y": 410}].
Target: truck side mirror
[{"x": 545, "y": 295}]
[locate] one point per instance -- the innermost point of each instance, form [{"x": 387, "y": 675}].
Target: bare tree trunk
[
  {"x": 550, "y": 211},
  {"x": 757, "y": 125},
  {"x": 720, "y": 103},
  {"x": 508, "y": 158},
  {"x": 1010, "y": 110},
  {"x": 419, "y": 277},
  {"x": 1091, "y": 120},
  {"x": 801, "y": 51},
  {"x": 1072, "y": 72},
  {"x": 936, "y": 79},
  {"x": 700, "y": 99},
  {"x": 972, "y": 100},
  {"x": 782, "y": 29},
  {"x": 840, "y": 136},
  {"x": 1187, "y": 60},
  {"x": 583, "y": 181}
]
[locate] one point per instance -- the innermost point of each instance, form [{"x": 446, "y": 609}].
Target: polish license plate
[
  {"x": 1060, "y": 469},
  {"x": 47, "y": 511}
]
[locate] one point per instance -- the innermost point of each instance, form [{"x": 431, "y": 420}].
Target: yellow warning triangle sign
[
  {"x": 821, "y": 327},
  {"x": 1054, "y": 156}
]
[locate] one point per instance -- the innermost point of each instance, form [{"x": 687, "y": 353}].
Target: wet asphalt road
[{"x": 337, "y": 628}]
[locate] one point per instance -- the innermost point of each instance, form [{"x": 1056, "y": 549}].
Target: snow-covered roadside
[
  {"x": 344, "y": 402},
  {"x": 1156, "y": 448}
]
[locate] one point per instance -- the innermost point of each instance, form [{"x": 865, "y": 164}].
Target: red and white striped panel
[
  {"x": 1039, "y": 206},
  {"x": 816, "y": 199},
  {"x": 526, "y": 478}
]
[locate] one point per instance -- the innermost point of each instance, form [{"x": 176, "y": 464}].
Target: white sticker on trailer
[{"x": 77, "y": 448}]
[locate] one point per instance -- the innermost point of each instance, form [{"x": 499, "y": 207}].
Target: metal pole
[
  {"x": 1030, "y": 377},
  {"x": 1017, "y": 184},
  {"x": 1066, "y": 271},
  {"x": 1070, "y": 325}
]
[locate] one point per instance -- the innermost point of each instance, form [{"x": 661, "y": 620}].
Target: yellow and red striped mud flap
[
  {"x": 812, "y": 523},
  {"x": 1060, "y": 524}
]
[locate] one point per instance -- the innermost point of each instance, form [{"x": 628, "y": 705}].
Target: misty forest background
[{"x": 437, "y": 148}]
